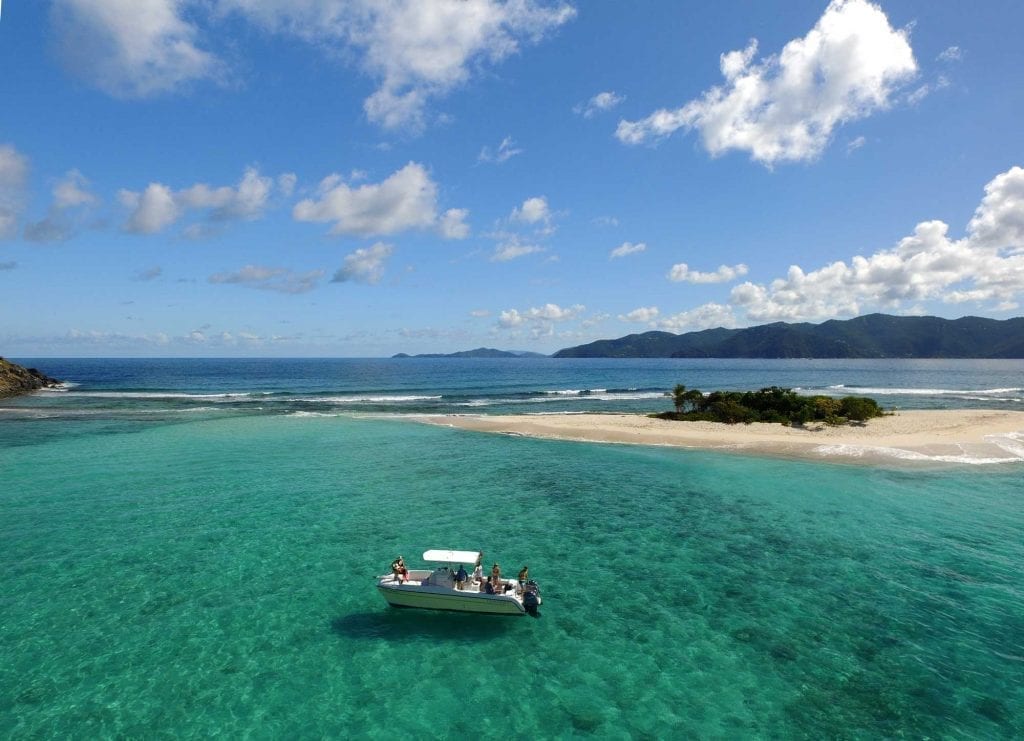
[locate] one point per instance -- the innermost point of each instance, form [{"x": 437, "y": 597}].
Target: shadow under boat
[{"x": 411, "y": 625}]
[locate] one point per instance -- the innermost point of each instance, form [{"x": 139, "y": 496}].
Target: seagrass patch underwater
[{"x": 218, "y": 577}]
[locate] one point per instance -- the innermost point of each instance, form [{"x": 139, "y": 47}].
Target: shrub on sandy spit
[{"x": 770, "y": 404}]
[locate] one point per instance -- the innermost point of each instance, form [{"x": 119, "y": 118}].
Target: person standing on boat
[
  {"x": 478, "y": 570},
  {"x": 524, "y": 575},
  {"x": 460, "y": 577},
  {"x": 398, "y": 569}
]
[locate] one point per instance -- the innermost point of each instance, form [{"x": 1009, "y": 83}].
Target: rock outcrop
[{"x": 15, "y": 380}]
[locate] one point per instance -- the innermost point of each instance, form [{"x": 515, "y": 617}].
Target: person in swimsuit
[{"x": 398, "y": 569}]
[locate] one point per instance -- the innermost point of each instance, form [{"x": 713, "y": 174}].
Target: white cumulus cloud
[
  {"x": 158, "y": 206},
  {"x": 405, "y": 200},
  {"x": 786, "y": 106},
  {"x": 986, "y": 266},
  {"x": 707, "y": 316},
  {"x": 153, "y": 209},
  {"x": 453, "y": 224},
  {"x": 532, "y": 211},
  {"x": 539, "y": 320},
  {"x": 131, "y": 48},
  {"x": 417, "y": 51},
  {"x": 681, "y": 272},
  {"x": 643, "y": 315}
]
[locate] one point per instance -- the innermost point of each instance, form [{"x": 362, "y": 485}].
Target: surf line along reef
[{"x": 16, "y": 380}]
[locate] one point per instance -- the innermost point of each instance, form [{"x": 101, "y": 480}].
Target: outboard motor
[{"x": 531, "y": 599}]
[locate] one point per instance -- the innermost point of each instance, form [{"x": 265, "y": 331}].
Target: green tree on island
[{"x": 771, "y": 404}]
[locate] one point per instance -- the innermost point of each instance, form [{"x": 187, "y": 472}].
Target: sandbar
[{"x": 968, "y": 436}]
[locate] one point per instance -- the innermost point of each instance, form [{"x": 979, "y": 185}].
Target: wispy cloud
[
  {"x": 601, "y": 102},
  {"x": 150, "y": 273},
  {"x": 364, "y": 265},
  {"x": 71, "y": 200},
  {"x": 627, "y": 248},
  {"x": 281, "y": 280},
  {"x": 506, "y": 151},
  {"x": 13, "y": 177}
]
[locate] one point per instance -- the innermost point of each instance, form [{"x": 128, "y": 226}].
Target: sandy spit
[{"x": 934, "y": 436}]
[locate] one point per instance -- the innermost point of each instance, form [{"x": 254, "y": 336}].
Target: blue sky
[{"x": 267, "y": 177}]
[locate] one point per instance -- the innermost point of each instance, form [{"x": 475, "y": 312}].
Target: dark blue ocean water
[
  {"x": 187, "y": 548},
  {"x": 433, "y": 385}
]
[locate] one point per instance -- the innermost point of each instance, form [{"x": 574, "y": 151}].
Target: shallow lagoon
[{"x": 217, "y": 577}]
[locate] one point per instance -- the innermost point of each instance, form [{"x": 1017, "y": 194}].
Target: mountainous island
[
  {"x": 870, "y": 336},
  {"x": 15, "y": 380},
  {"x": 480, "y": 352}
]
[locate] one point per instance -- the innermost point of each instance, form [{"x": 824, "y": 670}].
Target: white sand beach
[{"x": 936, "y": 436}]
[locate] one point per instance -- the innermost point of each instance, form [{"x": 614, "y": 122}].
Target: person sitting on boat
[
  {"x": 460, "y": 577},
  {"x": 488, "y": 587},
  {"x": 398, "y": 569}
]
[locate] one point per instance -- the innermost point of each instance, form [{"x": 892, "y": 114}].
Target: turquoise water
[{"x": 204, "y": 575}]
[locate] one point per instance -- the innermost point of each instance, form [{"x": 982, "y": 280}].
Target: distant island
[
  {"x": 870, "y": 336},
  {"x": 480, "y": 352},
  {"x": 16, "y": 380}
]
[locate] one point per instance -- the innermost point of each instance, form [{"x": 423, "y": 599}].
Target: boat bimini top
[{"x": 441, "y": 556}]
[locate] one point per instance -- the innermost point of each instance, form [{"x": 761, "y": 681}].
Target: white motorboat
[{"x": 436, "y": 588}]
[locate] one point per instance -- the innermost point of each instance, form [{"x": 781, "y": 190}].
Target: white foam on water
[
  {"x": 550, "y": 414},
  {"x": 371, "y": 399},
  {"x": 551, "y": 398},
  {"x": 615, "y": 396},
  {"x": 60, "y": 388},
  {"x": 316, "y": 414},
  {"x": 860, "y": 451},
  {"x": 879, "y": 391}
]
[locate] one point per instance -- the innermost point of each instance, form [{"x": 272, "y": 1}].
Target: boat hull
[{"x": 426, "y": 598}]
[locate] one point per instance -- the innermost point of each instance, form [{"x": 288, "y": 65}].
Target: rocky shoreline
[{"x": 16, "y": 380}]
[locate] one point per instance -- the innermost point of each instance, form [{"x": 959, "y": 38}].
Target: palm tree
[{"x": 679, "y": 397}]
